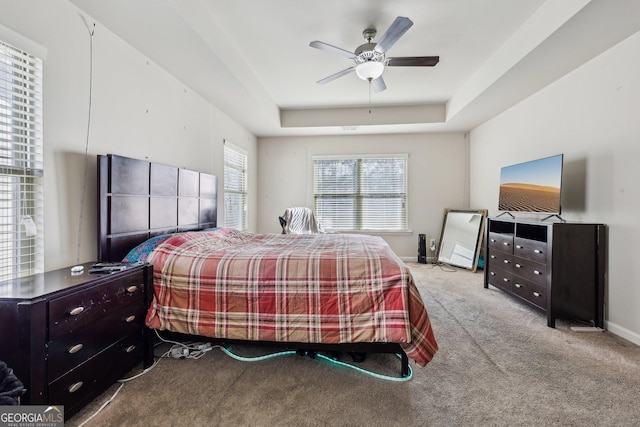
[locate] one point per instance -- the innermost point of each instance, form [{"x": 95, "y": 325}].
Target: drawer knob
[
  {"x": 506, "y": 243},
  {"x": 493, "y": 273},
  {"x": 493, "y": 257},
  {"x": 130, "y": 319},
  {"x": 493, "y": 240},
  {"x": 506, "y": 261},
  {"x": 131, "y": 289},
  {"x": 75, "y": 348},
  {"x": 504, "y": 279},
  {"x": 75, "y": 387},
  {"x": 130, "y": 348},
  {"x": 518, "y": 265},
  {"x": 518, "y": 285},
  {"x": 536, "y": 272},
  {"x": 537, "y": 251},
  {"x": 76, "y": 311},
  {"x": 536, "y": 294},
  {"x": 519, "y": 246}
]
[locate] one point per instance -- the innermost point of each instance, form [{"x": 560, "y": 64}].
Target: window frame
[
  {"x": 359, "y": 196},
  {"x": 231, "y": 191},
  {"x": 21, "y": 164}
]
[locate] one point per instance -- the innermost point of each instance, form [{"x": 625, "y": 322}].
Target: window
[
  {"x": 361, "y": 193},
  {"x": 21, "y": 166},
  {"x": 235, "y": 187}
]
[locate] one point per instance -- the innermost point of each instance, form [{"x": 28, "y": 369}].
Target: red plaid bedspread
[{"x": 320, "y": 288}]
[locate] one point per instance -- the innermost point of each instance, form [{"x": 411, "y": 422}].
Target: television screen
[{"x": 532, "y": 186}]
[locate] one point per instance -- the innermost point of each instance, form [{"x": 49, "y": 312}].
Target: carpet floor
[{"x": 498, "y": 365}]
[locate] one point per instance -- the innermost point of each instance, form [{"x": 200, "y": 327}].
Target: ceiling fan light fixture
[{"x": 369, "y": 70}]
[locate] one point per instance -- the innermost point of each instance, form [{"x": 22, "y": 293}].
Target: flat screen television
[{"x": 533, "y": 186}]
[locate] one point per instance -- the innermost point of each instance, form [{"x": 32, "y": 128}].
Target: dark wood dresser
[
  {"x": 68, "y": 336},
  {"x": 558, "y": 267}
]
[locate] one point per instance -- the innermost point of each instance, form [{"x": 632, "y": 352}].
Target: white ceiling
[{"x": 251, "y": 58}]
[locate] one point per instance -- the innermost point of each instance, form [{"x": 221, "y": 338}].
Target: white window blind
[
  {"x": 361, "y": 193},
  {"x": 235, "y": 187},
  {"x": 21, "y": 165}
]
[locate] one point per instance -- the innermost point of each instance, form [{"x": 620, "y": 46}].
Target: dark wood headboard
[{"x": 138, "y": 199}]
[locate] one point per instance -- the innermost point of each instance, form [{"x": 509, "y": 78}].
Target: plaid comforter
[{"x": 320, "y": 288}]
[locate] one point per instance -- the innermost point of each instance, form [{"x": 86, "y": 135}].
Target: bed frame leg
[{"x": 405, "y": 365}]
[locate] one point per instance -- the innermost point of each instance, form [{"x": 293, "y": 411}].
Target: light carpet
[{"x": 498, "y": 365}]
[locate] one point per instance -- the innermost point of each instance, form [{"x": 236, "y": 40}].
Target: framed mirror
[{"x": 461, "y": 237}]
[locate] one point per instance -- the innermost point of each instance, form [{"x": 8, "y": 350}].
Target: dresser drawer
[
  {"x": 532, "y": 292},
  {"x": 71, "y": 350},
  {"x": 530, "y": 270},
  {"x": 530, "y": 249},
  {"x": 501, "y": 260},
  {"x": 84, "y": 383},
  {"x": 78, "y": 309},
  {"x": 501, "y": 242},
  {"x": 500, "y": 278}
]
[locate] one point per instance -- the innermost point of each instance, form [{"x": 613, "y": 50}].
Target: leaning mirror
[{"x": 461, "y": 237}]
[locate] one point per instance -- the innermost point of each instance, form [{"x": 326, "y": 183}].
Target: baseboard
[
  {"x": 415, "y": 259},
  {"x": 623, "y": 332}
]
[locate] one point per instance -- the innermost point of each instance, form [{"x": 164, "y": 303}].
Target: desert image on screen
[{"x": 528, "y": 198}]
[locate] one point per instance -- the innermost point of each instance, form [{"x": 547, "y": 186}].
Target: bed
[{"x": 321, "y": 292}]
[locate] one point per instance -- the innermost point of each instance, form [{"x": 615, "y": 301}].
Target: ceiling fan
[{"x": 370, "y": 58}]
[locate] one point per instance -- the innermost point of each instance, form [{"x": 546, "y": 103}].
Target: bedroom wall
[
  {"x": 590, "y": 115},
  {"x": 437, "y": 177},
  {"x": 138, "y": 110}
]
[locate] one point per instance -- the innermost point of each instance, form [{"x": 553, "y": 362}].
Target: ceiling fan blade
[
  {"x": 378, "y": 84},
  {"x": 329, "y": 48},
  {"x": 413, "y": 61},
  {"x": 395, "y": 31},
  {"x": 336, "y": 75}
]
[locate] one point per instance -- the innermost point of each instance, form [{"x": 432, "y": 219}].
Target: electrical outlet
[{"x": 432, "y": 244}]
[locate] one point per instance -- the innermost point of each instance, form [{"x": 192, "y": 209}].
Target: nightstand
[{"x": 69, "y": 336}]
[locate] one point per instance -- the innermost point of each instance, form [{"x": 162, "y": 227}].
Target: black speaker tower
[{"x": 422, "y": 248}]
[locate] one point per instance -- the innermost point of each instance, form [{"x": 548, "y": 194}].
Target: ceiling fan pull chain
[{"x": 369, "y": 96}]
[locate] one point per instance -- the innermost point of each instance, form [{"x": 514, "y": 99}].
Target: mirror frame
[{"x": 478, "y": 240}]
